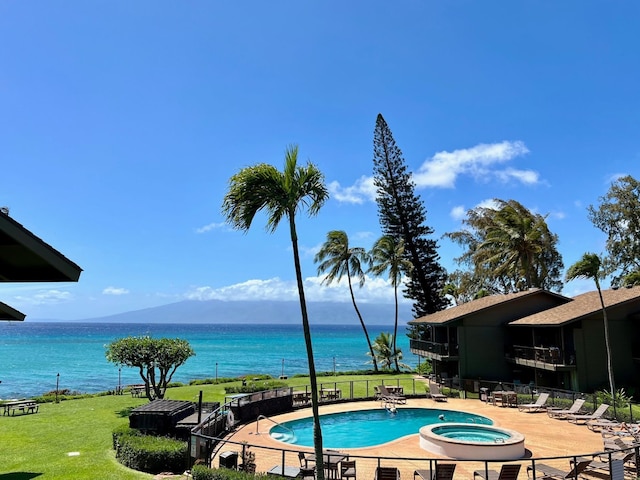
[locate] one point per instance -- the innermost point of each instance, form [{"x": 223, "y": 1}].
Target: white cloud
[
  {"x": 358, "y": 193},
  {"x": 115, "y": 291},
  {"x": 488, "y": 203},
  {"x": 443, "y": 169},
  {"x": 614, "y": 178},
  {"x": 375, "y": 290},
  {"x": 209, "y": 227},
  {"x": 45, "y": 297},
  {"x": 458, "y": 213},
  {"x": 528, "y": 177}
]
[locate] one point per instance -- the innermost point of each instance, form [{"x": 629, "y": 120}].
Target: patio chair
[
  {"x": 509, "y": 471},
  {"x": 444, "y": 471},
  {"x": 348, "y": 469},
  {"x": 562, "y": 413},
  {"x": 304, "y": 461},
  {"x": 387, "y": 473},
  {"x": 547, "y": 471},
  {"x": 436, "y": 394},
  {"x": 537, "y": 406},
  {"x": 582, "y": 419},
  {"x": 307, "y": 474},
  {"x": 389, "y": 397}
]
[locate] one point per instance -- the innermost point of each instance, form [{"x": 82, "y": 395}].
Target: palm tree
[
  {"x": 384, "y": 351},
  {"x": 387, "y": 255},
  {"x": 589, "y": 267},
  {"x": 336, "y": 257},
  {"x": 514, "y": 242},
  {"x": 263, "y": 187}
]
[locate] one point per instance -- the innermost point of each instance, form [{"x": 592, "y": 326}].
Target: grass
[{"x": 39, "y": 445}]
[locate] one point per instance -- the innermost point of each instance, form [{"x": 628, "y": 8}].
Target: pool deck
[{"x": 544, "y": 437}]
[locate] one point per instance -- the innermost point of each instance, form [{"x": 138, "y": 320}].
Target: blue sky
[{"x": 121, "y": 123}]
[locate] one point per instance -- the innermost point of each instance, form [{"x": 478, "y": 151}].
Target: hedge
[{"x": 148, "y": 453}]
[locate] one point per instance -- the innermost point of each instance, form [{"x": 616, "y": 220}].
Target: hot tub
[{"x": 472, "y": 441}]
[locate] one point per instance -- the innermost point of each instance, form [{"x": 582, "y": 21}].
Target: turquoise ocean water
[{"x": 33, "y": 354}]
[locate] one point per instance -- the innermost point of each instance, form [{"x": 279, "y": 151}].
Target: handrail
[{"x": 273, "y": 421}]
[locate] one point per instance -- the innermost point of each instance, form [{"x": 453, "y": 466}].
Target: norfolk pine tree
[{"x": 402, "y": 215}]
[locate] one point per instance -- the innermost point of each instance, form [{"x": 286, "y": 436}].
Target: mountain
[{"x": 260, "y": 312}]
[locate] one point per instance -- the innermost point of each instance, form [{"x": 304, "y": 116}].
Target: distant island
[{"x": 257, "y": 312}]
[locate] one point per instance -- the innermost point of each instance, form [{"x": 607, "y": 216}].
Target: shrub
[
  {"x": 200, "y": 472},
  {"x": 148, "y": 453},
  {"x": 256, "y": 386}
]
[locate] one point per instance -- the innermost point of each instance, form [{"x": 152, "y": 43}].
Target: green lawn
[{"x": 39, "y": 445}]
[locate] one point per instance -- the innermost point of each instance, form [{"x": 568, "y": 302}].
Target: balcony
[
  {"x": 544, "y": 358},
  {"x": 434, "y": 350}
]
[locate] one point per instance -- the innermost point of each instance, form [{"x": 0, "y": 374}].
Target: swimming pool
[{"x": 365, "y": 428}]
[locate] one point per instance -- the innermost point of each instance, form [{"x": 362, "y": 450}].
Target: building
[
  {"x": 536, "y": 337},
  {"x": 26, "y": 258}
]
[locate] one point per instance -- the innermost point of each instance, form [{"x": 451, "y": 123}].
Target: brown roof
[
  {"x": 7, "y": 312},
  {"x": 26, "y": 258},
  {"x": 581, "y": 306},
  {"x": 485, "y": 303}
]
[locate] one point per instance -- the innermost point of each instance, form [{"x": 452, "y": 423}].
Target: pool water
[
  {"x": 470, "y": 433},
  {"x": 365, "y": 428}
]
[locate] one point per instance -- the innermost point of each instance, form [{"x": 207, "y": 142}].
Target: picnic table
[
  {"x": 330, "y": 393},
  {"x": 506, "y": 398},
  {"x": 24, "y": 406},
  {"x": 395, "y": 390},
  {"x": 137, "y": 390},
  {"x": 301, "y": 397}
]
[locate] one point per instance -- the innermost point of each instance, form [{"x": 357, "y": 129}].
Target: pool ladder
[{"x": 274, "y": 422}]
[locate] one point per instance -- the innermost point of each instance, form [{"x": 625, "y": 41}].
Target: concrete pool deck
[{"x": 544, "y": 437}]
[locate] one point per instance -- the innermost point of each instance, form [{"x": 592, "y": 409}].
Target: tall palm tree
[
  {"x": 387, "y": 254},
  {"x": 337, "y": 259},
  {"x": 263, "y": 187},
  {"x": 589, "y": 267}
]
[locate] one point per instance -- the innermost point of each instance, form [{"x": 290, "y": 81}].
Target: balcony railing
[
  {"x": 442, "y": 349},
  {"x": 550, "y": 355}
]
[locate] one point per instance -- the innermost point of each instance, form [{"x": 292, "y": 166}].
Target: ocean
[{"x": 38, "y": 357}]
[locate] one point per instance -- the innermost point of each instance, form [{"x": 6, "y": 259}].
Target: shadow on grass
[
  {"x": 125, "y": 412},
  {"x": 19, "y": 475}
]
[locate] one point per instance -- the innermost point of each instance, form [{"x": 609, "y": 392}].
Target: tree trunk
[
  {"x": 366, "y": 333},
  {"x": 607, "y": 344},
  {"x": 395, "y": 329},
  {"x": 317, "y": 431}
]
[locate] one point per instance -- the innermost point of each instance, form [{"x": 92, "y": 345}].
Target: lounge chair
[
  {"x": 582, "y": 419},
  {"x": 547, "y": 471},
  {"x": 537, "y": 406},
  {"x": 509, "y": 471},
  {"x": 562, "y": 413},
  {"x": 436, "y": 394},
  {"x": 444, "y": 471},
  {"x": 387, "y": 473},
  {"x": 603, "y": 425},
  {"x": 604, "y": 466},
  {"x": 388, "y": 397}
]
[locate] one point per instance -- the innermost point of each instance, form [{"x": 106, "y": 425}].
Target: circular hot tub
[{"x": 472, "y": 441}]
